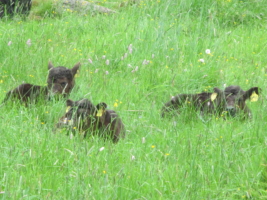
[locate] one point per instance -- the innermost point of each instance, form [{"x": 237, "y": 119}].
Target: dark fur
[
  {"x": 232, "y": 100},
  {"x": 84, "y": 116},
  {"x": 60, "y": 81},
  {"x": 10, "y": 7}
]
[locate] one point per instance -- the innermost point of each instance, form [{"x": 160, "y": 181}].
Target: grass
[{"x": 182, "y": 157}]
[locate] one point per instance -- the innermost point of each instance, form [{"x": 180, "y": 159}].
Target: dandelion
[
  {"x": 102, "y": 148},
  {"x": 106, "y": 72},
  {"x": 115, "y": 104},
  {"x": 167, "y": 154},
  {"x": 9, "y": 43},
  {"x": 201, "y": 60},
  {"x": 49, "y": 40},
  {"x": 207, "y": 51},
  {"x": 104, "y": 172},
  {"x": 90, "y": 61},
  {"x": 107, "y": 62},
  {"x": 29, "y": 42},
  {"x": 153, "y": 146}
]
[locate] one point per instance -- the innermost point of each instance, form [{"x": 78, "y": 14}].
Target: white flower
[
  {"x": 102, "y": 148},
  {"x": 9, "y": 43},
  {"x": 152, "y": 56},
  {"x": 96, "y": 70},
  {"x": 90, "y": 61},
  {"x": 129, "y": 65},
  {"x": 143, "y": 140},
  {"x": 130, "y": 48},
  {"x": 29, "y": 42},
  {"x": 201, "y": 60},
  {"x": 104, "y": 57},
  {"x": 107, "y": 62},
  {"x": 106, "y": 72},
  {"x": 207, "y": 51},
  {"x": 135, "y": 70},
  {"x": 125, "y": 55},
  {"x": 145, "y": 62}
]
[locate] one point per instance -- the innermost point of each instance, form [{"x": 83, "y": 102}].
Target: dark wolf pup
[
  {"x": 60, "y": 81},
  {"x": 90, "y": 119},
  {"x": 232, "y": 101}
]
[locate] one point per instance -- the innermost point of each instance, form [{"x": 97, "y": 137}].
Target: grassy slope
[{"x": 183, "y": 157}]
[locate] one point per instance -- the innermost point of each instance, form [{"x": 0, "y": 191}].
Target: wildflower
[
  {"x": 125, "y": 55},
  {"x": 153, "y": 146},
  {"x": 1, "y": 81},
  {"x": 152, "y": 56},
  {"x": 145, "y": 62},
  {"x": 129, "y": 65},
  {"x": 201, "y": 60},
  {"x": 107, "y": 62},
  {"x": 90, "y": 61},
  {"x": 135, "y": 70},
  {"x": 104, "y": 57},
  {"x": 167, "y": 154},
  {"x": 130, "y": 48},
  {"x": 9, "y": 43},
  {"x": 102, "y": 148},
  {"x": 49, "y": 40},
  {"x": 96, "y": 70},
  {"x": 132, "y": 157},
  {"x": 207, "y": 51},
  {"x": 106, "y": 72},
  {"x": 104, "y": 171},
  {"x": 143, "y": 140},
  {"x": 29, "y": 42},
  {"x": 115, "y": 104}
]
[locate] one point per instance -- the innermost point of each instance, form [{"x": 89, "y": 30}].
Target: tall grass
[{"x": 181, "y": 157}]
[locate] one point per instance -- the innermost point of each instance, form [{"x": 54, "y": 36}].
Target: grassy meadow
[{"x": 135, "y": 60}]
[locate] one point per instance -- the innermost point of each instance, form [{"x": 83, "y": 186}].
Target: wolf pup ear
[
  {"x": 252, "y": 94},
  {"x": 69, "y": 102},
  {"x": 101, "y": 108},
  {"x": 50, "y": 65},
  {"x": 75, "y": 69}
]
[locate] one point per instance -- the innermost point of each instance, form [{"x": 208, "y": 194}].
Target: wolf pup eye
[{"x": 63, "y": 84}]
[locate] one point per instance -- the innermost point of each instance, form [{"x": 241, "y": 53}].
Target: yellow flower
[
  {"x": 167, "y": 154},
  {"x": 153, "y": 146},
  {"x": 115, "y": 104},
  {"x": 104, "y": 172}
]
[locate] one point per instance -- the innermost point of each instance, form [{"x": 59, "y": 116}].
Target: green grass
[{"x": 181, "y": 157}]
